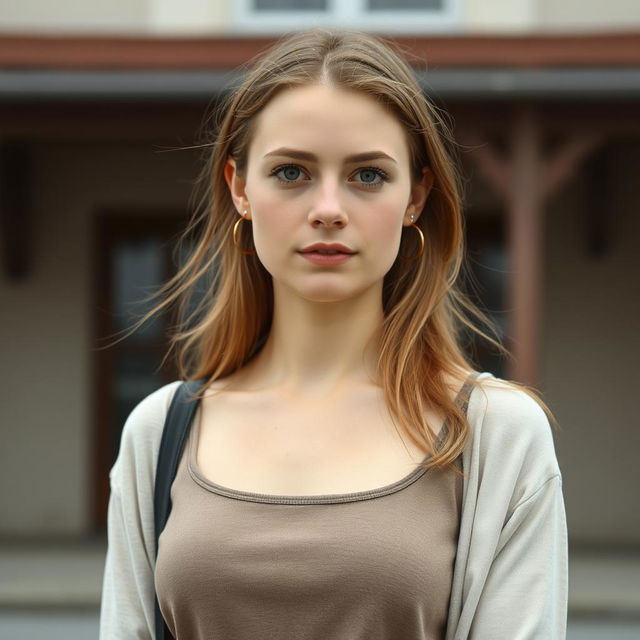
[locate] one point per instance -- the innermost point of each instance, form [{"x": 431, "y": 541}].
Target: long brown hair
[{"x": 425, "y": 311}]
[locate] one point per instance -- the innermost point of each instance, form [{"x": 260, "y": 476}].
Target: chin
[{"x": 327, "y": 292}]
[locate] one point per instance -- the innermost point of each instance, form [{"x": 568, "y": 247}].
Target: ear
[
  {"x": 236, "y": 185},
  {"x": 419, "y": 193}
]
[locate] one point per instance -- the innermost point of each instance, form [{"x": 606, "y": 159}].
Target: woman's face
[{"x": 303, "y": 186}]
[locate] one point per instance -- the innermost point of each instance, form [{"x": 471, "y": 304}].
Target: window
[
  {"x": 404, "y": 5},
  {"x": 290, "y": 5},
  {"x": 387, "y": 16},
  {"x": 134, "y": 256},
  {"x": 486, "y": 285}
]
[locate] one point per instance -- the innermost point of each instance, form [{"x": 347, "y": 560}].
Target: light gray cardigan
[{"x": 510, "y": 575}]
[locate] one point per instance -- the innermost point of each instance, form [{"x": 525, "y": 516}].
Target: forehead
[{"x": 329, "y": 121}]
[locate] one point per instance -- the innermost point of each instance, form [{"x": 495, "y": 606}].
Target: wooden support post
[
  {"x": 525, "y": 248},
  {"x": 526, "y": 178}
]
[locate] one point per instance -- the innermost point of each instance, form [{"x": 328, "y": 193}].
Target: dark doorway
[{"x": 133, "y": 256}]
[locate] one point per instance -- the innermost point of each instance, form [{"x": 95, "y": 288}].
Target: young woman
[{"x": 348, "y": 474}]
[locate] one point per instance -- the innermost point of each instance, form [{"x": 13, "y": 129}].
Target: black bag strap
[{"x": 174, "y": 435}]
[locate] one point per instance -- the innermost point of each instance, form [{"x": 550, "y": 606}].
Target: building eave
[
  {"x": 202, "y": 86},
  {"x": 88, "y": 52},
  {"x": 124, "y": 68}
]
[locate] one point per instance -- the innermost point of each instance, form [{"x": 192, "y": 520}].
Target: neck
[{"x": 319, "y": 348}]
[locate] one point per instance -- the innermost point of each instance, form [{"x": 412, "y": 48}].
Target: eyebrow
[{"x": 305, "y": 155}]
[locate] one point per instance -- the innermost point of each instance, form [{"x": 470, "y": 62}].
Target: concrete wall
[
  {"x": 73, "y": 16},
  {"x": 587, "y": 15},
  {"x": 498, "y": 15},
  {"x": 189, "y": 17},
  {"x": 162, "y": 17},
  {"x": 550, "y": 15},
  {"x": 46, "y": 324},
  {"x": 591, "y": 354}
]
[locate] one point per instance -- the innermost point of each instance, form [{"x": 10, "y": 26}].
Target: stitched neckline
[{"x": 461, "y": 399}]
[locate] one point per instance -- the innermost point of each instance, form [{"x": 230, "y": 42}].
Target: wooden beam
[
  {"x": 566, "y": 160},
  {"x": 525, "y": 178},
  {"x": 491, "y": 164},
  {"x": 525, "y": 247}
]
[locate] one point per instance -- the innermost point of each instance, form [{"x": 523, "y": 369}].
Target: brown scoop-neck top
[{"x": 374, "y": 565}]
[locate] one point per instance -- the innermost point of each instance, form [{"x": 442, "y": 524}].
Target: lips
[
  {"x": 327, "y": 253},
  {"x": 326, "y": 259},
  {"x": 323, "y": 248}
]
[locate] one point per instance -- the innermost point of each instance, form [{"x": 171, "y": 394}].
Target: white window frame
[{"x": 349, "y": 14}]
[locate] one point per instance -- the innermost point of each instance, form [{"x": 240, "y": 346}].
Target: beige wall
[
  {"x": 192, "y": 17},
  {"x": 202, "y": 17},
  {"x": 591, "y": 355},
  {"x": 498, "y": 15},
  {"x": 550, "y": 15},
  {"x": 96, "y": 16},
  {"x": 45, "y": 480},
  {"x": 588, "y": 15}
]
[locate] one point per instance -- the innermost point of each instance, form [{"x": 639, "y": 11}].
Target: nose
[{"x": 327, "y": 210}]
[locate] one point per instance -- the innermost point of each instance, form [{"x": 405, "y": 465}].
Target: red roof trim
[{"x": 128, "y": 53}]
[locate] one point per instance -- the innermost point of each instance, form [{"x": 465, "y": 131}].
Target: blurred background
[{"x": 101, "y": 103}]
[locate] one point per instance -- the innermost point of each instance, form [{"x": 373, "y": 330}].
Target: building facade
[{"x": 100, "y": 109}]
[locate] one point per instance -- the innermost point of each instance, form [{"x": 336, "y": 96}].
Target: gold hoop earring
[
  {"x": 419, "y": 254},
  {"x": 235, "y": 236}
]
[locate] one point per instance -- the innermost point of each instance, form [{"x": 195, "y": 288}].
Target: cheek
[
  {"x": 390, "y": 245},
  {"x": 388, "y": 227},
  {"x": 272, "y": 231},
  {"x": 269, "y": 216}
]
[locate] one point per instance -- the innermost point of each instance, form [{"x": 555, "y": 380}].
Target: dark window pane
[
  {"x": 137, "y": 270},
  {"x": 403, "y": 5},
  {"x": 136, "y": 258},
  {"x": 487, "y": 260},
  {"x": 289, "y": 5},
  {"x": 204, "y": 284},
  {"x": 135, "y": 376}
]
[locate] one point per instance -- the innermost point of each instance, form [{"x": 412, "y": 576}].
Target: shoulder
[
  {"x": 509, "y": 409},
  {"x": 501, "y": 411},
  {"x": 511, "y": 436},
  {"x": 141, "y": 436},
  {"x": 147, "y": 417}
]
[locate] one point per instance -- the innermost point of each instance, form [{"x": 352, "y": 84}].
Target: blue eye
[
  {"x": 290, "y": 173},
  {"x": 368, "y": 174},
  {"x": 371, "y": 174}
]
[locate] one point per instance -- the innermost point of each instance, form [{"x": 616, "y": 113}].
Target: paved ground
[
  {"x": 603, "y": 630},
  {"x": 25, "y": 625},
  {"x": 16, "y": 625}
]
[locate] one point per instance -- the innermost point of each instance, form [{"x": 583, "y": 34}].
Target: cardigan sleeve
[
  {"x": 525, "y": 592},
  {"x": 128, "y": 606},
  {"x": 510, "y": 578},
  {"x": 127, "y": 591}
]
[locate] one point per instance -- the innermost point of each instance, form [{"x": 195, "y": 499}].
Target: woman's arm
[
  {"x": 525, "y": 592},
  {"x": 128, "y": 592},
  {"x": 510, "y": 577}
]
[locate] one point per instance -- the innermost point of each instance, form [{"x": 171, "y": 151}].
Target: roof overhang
[
  {"x": 121, "y": 69},
  {"x": 202, "y": 86}
]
